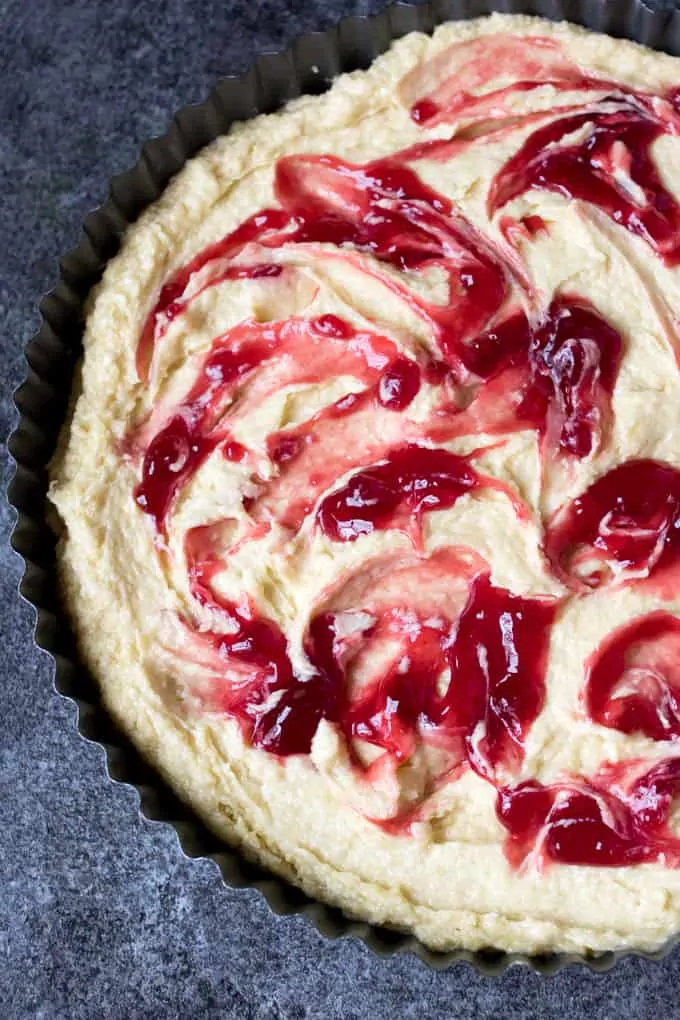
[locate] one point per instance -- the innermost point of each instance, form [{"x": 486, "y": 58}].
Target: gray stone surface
[{"x": 100, "y": 914}]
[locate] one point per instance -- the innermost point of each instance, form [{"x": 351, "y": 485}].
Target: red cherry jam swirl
[
  {"x": 251, "y": 362},
  {"x": 527, "y": 63},
  {"x": 428, "y": 617},
  {"x": 253, "y": 681},
  {"x": 618, "y": 818},
  {"x": 597, "y": 151},
  {"x": 488, "y": 647},
  {"x": 556, "y": 376},
  {"x": 611, "y": 168},
  {"x": 418, "y": 654},
  {"x": 633, "y": 679},
  {"x": 624, "y": 528},
  {"x": 411, "y": 481},
  {"x": 380, "y": 209}
]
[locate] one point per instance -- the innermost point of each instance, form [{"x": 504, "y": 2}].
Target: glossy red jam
[
  {"x": 633, "y": 678},
  {"x": 614, "y": 820},
  {"x": 611, "y": 168},
  {"x": 481, "y": 714},
  {"x": 381, "y": 209},
  {"x": 556, "y": 376},
  {"x": 464, "y": 70},
  {"x": 295, "y": 351},
  {"x": 625, "y": 527},
  {"x": 418, "y": 651},
  {"x": 254, "y": 682},
  {"x": 410, "y": 481}
]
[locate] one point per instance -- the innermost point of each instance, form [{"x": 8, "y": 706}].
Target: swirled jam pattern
[
  {"x": 360, "y": 464},
  {"x": 400, "y": 431}
]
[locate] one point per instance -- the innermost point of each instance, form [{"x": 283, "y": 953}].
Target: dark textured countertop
[{"x": 100, "y": 913}]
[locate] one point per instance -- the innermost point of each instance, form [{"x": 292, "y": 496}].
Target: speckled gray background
[{"x": 100, "y": 915}]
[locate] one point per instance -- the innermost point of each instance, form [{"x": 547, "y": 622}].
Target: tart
[{"x": 370, "y": 494}]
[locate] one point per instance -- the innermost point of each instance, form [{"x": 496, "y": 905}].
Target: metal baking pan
[{"x": 308, "y": 66}]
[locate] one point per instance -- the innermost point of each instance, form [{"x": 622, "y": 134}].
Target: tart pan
[{"x": 308, "y": 66}]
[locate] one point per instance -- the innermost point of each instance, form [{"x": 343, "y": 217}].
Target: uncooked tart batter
[{"x": 371, "y": 492}]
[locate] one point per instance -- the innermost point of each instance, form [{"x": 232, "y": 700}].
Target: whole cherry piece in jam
[
  {"x": 633, "y": 678},
  {"x": 399, "y": 384}
]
